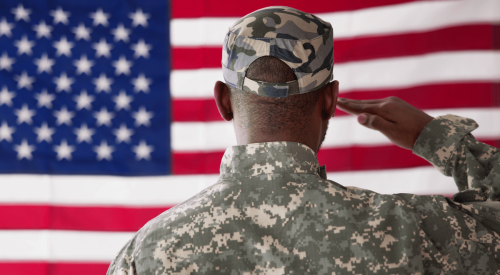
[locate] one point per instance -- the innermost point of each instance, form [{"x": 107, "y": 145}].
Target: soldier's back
[{"x": 293, "y": 223}]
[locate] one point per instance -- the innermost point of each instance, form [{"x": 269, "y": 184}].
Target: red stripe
[
  {"x": 364, "y": 48},
  {"x": 92, "y": 218},
  {"x": 24, "y": 217},
  {"x": 196, "y": 163},
  {"x": 220, "y": 8},
  {"x": 354, "y": 158},
  {"x": 44, "y": 268},
  {"x": 76, "y": 218},
  {"x": 444, "y": 96},
  {"x": 186, "y": 110},
  {"x": 187, "y": 58},
  {"x": 408, "y": 44},
  {"x": 357, "y": 158}
]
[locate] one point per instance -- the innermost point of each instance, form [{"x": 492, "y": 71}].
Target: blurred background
[{"x": 107, "y": 117}]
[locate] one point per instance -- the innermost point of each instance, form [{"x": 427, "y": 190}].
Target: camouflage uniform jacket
[{"x": 273, "y": 211}]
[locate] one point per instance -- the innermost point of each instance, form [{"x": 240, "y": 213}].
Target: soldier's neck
[{"x": 247, "y": 137}]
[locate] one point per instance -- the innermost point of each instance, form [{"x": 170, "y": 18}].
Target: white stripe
[
  {"x": 419, "y": 180},
  {"x": 56, "y": 245},
  {"x": 408, "y": 17},
  {"x": 400, "y": 72},
  {"x": 101, "y": 190},
  {"x": 202, "y": 136},
  {"x": 343, "y": 131},
  {"x": 170, "y": 190},
  {"x": 418, "y": 70}
]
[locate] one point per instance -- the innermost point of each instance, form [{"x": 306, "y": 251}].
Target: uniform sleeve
[
  {"x": 447, "y": 143},
  {"x": 123, "y": 264}
]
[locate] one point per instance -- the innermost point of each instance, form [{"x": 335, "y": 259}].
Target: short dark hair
[{"x": 270, "y": 115}]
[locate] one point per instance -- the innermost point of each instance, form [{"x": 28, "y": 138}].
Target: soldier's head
[{"x": 277, "y": 64}]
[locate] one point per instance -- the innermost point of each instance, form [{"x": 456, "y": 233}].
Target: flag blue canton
[{"x": 84, "y": 87}]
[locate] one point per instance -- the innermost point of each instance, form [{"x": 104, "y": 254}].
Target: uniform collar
[{"x": 257, "y": 159}]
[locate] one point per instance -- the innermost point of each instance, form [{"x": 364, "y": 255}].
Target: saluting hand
[{"x": 394, "y": 117}]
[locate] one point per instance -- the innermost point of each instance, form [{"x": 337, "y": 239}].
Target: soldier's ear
[
  {"x": 223, "y": 100},
  {"x": 330, "y": 94}
]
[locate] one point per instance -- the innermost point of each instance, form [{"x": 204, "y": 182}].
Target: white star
[
  {"x": 122, "y": 66},
  {"x": 84, "y": 101},
  {"x": 24, "y": 81},
  {"x": 81, "y": 32},
  {"x": 123, "y": 134},
  {"x": 102, "y": 48},
  {"x": 141, "y": 49},
  {"x": 24, "y": 115},
  {"x": 100, "y": 18},
  {"x": 84, "y": 134},
  {"x": 122, "y": 101},
  {"x": 60, "y": 16},
  {"x": 63, "y": 47},
  {"x": 63, "y": 83},
  {"x": 6, "y": 96},
  {"x": 44, "y": 64},
  {"x": 64, "y": 116},
  {"x": 64, "y": 150},
  {"x": 24, "y": 46},
  {"x": 44, "y": 133},
  {"x": 104, "y": 151},
  {"x": 139, "y": 18},
  {"x": 6, "y": 62},
  {"x": 44, "y": 99},
  {"x": 141, "y": 83},
  {"x": 142, "y": 151},
  {"x": 142, "y": 117},
  {"x": 24, "y": 150},
  {"x": 121, "y": 33},
  {"x": 21, "y": 13},
  {"x": 6, "y": 28},
  {"x": 102, "y": 83},
  {"x": 6, "y": 132},
  {"x": 83, "y": 65},
  {"x": 103, "y": 117},
  {"x": 42, "y": 30}
]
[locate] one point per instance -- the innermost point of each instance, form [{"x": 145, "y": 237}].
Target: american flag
[{"x": 107, "y": 120}]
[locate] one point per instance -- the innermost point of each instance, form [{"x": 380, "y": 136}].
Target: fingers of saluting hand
[
  {"x": 356, "y": 107},
  {"x": 370, "y": 112},
  {"x": 374, "y": 122},
  {"x": 393, "y": 117}
]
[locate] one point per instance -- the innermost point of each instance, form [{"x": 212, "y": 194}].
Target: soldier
[{"x": 273, "y": 211}]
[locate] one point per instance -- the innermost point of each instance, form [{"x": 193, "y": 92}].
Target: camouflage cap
[{"x": 301, "y": 40}]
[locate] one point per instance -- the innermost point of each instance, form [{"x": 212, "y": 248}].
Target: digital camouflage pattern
[
  {"x": 301, "y": 40},
  {"x": 273, "y": 211},
  {"x": 479, "y": 179}
]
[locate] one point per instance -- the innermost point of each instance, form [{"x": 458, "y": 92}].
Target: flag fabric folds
[{"x": 107, "y": 117}]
